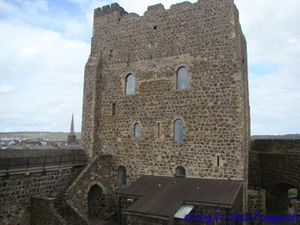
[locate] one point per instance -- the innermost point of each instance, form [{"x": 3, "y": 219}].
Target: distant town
[
  {"x": 57, "y": 140},
  {"x": 37, "y": 140}
]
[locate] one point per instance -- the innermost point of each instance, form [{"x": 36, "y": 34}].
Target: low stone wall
[
  {"x": 72, "y": 216},
  {"x": 28, "y": 173},
  {"x": 274, "y": 166},
  {"x": 99, "y": 172},
  {"x": 16, "y": 191},
  {"x": 124, "y": 203},
  {"x": 257, "y": 201},
  {"x": 276, "y": 145},
  {"x": 42, "y": 212}
]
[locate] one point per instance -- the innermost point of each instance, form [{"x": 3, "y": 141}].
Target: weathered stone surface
[
  {"x": 206, "y": 38},
  {"x": 257, "y": 201},
  {"x": 18, "y": 186},
  {"x": 275, "y": 167},
  {"x": 42, "y": 211},
  {"x": 98, "y": 172}
]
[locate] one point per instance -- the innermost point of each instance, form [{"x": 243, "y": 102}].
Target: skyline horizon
[{"x": 47, "y": 44}]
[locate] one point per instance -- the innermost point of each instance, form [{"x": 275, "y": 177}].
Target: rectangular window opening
[
  {"x": 113, "y": 109},
  {"x": 158, "y": 130}
]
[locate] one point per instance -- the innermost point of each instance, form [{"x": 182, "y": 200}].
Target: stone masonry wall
[
  {"x": 42, "y": 211},
  {"x": 99, "y": 172},
  {"x": 29, "y": 173},
  {"x": 16, "y": 190},
  {"x": 273, "y": 162},
  {"x": 204, "y": 36},
  {"x": 275, "y": 167},
  {"x": 257, "y": 201}
]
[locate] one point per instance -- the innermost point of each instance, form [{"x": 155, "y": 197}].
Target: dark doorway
[
  {"x": 96, "y": 202},
  {"x": 282, "y": 198}
]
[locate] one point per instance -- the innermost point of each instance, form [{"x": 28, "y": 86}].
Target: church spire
[
  {"x": 72, "y": 125},
  {"x": 72, "y": 135}
]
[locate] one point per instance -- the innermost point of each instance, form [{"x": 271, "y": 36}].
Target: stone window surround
[
  {"x": 122, "y": 169},
  {"x": 125, "y": 81},
  {"x": 179, "y": 167},
  {"x": 161, "y": 129},
  {"x": 176, "y": 71},
  {"x": 134, "y": 131},
  {"x": 173, "y": 129},
  {"x": 178, "y": 66}
]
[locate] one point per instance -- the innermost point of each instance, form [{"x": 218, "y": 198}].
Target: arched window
[
  {"x": 130, "y": 84},
  {"x": 180, "y": 171},
  {"x": 137, "y": 130},
  {"x": 182, "y": 79},
  {"x": 178, "y": 130},
  {"x": 122, "y": 175}
]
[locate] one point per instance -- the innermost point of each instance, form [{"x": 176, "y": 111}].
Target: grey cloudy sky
[{"x": 45, "y": 44}]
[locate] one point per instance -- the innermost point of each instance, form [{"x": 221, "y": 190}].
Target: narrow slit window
[
  {"x": 113, "y": 113},
  {"x": 218, "y": 160},
  {"x": 137, "y": 131},
  {"x": 158, "y": 130}
]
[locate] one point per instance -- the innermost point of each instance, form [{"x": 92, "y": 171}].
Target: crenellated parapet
[{"x": 109, "y": 9}]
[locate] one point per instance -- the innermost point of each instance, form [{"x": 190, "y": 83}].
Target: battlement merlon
[
  {"x": 115, "y": 7},
  {"x": 109, "y": 9}
]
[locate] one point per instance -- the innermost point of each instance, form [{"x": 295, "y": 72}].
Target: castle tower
[
  {"x": 167, "y": 92},
  {"x": 72, "y": 135}
]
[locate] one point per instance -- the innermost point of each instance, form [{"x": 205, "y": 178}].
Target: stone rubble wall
[
  {"x": 16, "y": 191},
  {"x": 100, "y": 172},
  {"x": 18, "y": 185},
  {"x": 274, "y": 166},
  {"x": 205, "y": 37}
]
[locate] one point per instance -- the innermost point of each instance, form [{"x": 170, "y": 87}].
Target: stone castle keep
[
  {"x": 165, "y": 129},
  {"x": 182, "y": 69},
  {"x": 203, "y": 39}
]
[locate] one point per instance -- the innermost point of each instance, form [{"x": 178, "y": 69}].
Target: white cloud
[
  {"x": 6, "y": 7},
  {"x": 274, "y": 100},
  {"x": 5, "y": 89},
  {"x": 272, "y": 30},
  {"x": 44, "y": 66},
  {"x": 273, "y": 37},
  {"x": 34, "y": 6},
  {"x": 46, "y": 71}
]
